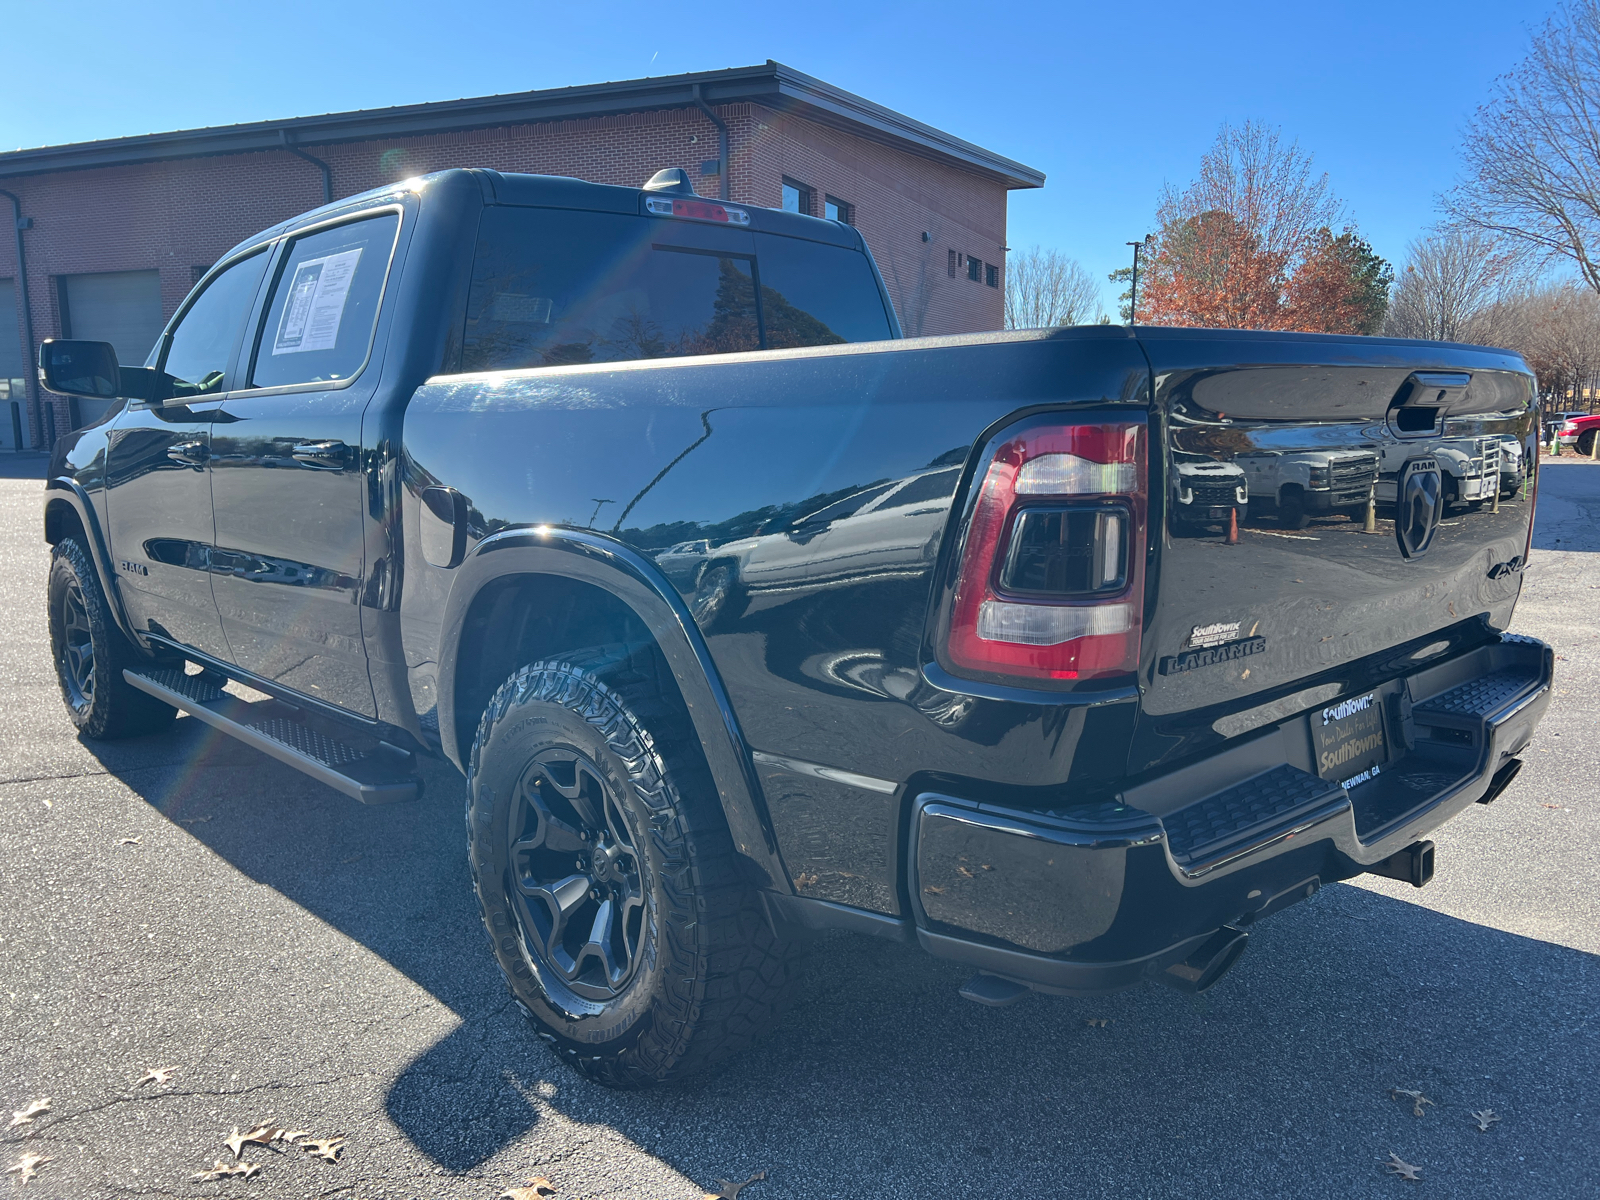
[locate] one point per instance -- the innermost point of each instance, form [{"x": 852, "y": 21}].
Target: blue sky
[{"x": 1109, "y": 101}]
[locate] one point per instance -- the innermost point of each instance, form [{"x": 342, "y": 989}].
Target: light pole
[{"x": 1133, "y": 294}]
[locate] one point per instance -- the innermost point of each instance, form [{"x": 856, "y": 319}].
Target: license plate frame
[{"x": 1350, "y": 740}]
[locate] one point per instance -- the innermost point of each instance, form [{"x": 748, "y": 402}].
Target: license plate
[{"x": 1351, "y": 739}]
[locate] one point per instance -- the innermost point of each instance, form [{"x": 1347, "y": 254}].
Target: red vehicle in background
[{"x": 1579, "y": 430}]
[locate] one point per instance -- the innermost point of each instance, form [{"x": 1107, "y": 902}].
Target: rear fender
[{"x": 600, "y": 562}]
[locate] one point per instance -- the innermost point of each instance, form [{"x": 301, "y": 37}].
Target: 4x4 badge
[{"x": 1419, "y": 503}]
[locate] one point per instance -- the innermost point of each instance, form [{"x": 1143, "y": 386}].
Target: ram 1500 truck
[{"x": 744, "y": 618}]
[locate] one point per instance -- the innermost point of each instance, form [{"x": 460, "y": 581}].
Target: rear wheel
[
  {"x": 1292, "y": 512},
  {"x": 607, "y": 877},
  {"x": 90, "y": 653}
]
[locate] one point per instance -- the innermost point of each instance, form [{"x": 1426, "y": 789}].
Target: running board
[{"x": 383, "y": 775}]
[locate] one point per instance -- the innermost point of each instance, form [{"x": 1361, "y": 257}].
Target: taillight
[{"x": 1051, "y": 579}]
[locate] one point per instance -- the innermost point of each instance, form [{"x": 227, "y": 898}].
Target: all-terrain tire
[
  {"x": 709, "y": 974},
  {"x": 90, "y": 653}
]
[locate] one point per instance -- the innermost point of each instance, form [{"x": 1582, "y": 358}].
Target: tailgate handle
[{"x": 1425, "y": 399}]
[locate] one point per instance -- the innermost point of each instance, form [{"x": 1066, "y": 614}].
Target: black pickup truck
[{"x": 744, "y": 618}]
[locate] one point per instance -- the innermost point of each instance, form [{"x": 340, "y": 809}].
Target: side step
[{"x": 383, "y": 775}]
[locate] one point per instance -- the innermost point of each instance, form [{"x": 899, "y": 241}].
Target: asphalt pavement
[{"x": 307, "y": 963}]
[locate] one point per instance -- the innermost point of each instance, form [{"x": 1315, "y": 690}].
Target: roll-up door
[
  {"x": 13, "y": 378},
  {"x": 120, "y": 307}
]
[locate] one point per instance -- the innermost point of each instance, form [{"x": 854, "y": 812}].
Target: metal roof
[{"x": 773, "y": 85}]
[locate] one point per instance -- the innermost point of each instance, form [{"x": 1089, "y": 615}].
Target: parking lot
[{"x": 305, "y": 962}]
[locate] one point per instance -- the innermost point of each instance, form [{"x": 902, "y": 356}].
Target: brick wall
[{"x": 180, "y": 215}]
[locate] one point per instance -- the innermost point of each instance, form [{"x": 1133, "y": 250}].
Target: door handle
[
  {"x": 325, "y": 455},
  {"x": 190, "y": 454}
]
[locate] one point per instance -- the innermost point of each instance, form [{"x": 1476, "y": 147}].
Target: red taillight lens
[{"x": 1051, "y": 580}]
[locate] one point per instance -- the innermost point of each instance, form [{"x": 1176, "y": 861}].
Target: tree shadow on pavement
[{"x": 883, "y": 1082}]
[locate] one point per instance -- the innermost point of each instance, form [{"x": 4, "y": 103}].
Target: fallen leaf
[
  {"x": 327, "y": 1149},
  {"x": 26, "y": 1115},
  {"x": 156, "y": 1075},
  {"x": 49, "y": 804},
  {"x": 1485, "y": 1119},
  {"x": 933, "y": 891},
  {"x": 29, "y": 1165},
  {"x": 986, "y": 866},
  {"x": 1097, "y": 1022},
  {"x": 804, "y": 880},
  {"x": 1417, "y": 1099},
  {"x": 294, "y": 1138},
  {"x": 133, "y": 841},
  {"x": 728, "y": 1190},
  {"x": 195, "y": 820},
  {"x": 223, "y": 1169},
  {"x": 966, "y": 872},
  {"x": 538, "y": 1187},
  {"x": 261, "y": 1135},
  {"x": 1402, "y": 1168}
]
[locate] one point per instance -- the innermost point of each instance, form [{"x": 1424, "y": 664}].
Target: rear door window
[
  {"x": 324, "y": 307},
  {"x": 816, "y": 295}
]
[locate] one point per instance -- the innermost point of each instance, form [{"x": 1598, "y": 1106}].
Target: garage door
[
  {"x": 13, "y": 416},
  {"x": 120, "y": 307}
]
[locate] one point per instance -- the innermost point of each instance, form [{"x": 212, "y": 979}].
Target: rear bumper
[{"x": 1089, "y": 900}]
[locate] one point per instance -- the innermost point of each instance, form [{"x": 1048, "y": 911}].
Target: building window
[
  {"x": 836, "y": 209},
  {"x": 796, "y": 197},
  {"x": 974, "y": 268},
  {"x": 991, "y": 275},
  {"x": 953, "y": 257}
]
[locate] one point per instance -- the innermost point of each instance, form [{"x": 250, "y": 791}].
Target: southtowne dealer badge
[{"x": 1208, "y": 645}]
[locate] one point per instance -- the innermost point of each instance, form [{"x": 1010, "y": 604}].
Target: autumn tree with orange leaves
[{"x": 1250, "y": 245}]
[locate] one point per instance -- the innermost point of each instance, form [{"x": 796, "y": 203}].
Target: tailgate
[{"x": 1287, "y": 436}]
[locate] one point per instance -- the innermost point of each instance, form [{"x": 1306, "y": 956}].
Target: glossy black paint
[
  {"x": 783, "y": 525},
  {"x": 1329, "y": 599}
]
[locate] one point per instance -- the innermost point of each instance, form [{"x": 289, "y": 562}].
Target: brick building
[{"x": 114, "y": 233}]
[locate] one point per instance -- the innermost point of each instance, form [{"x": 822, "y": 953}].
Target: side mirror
[
  {"x": 86, "y": 369},
  {"x": 90, "y": 369}
]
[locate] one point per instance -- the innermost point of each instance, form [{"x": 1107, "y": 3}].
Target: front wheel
[
  {"x": 607, "y": 877},
  {"x": 90, "y": 653}
]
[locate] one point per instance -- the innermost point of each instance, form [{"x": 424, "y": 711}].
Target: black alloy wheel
[
  {"x": 91, "y": 652},
  {"x": 75, "y": 660},
  {"x": 576, "y": 877},
  {"x": 609, "y": 884}
]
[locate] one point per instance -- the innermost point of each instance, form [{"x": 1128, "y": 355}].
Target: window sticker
[{"x": 315, "y": 303}]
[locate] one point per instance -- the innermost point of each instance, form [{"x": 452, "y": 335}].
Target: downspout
[
  {"x": 722, "y": 138},
  {"x": 327, "y": 171},
  {"x": 29, "y": 350}
]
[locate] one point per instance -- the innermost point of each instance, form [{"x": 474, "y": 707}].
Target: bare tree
[
  {"x": 1557, "y": 329},
  {"x": 1453, "y": 276},
  {"x": 1533, "y": 152},
  {"x": 1045, "y": 288},
  {"x": 1231, "y": 244}
]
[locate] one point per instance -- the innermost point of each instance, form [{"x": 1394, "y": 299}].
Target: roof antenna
[{"x": 671, "y": 179}]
